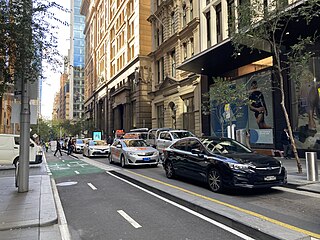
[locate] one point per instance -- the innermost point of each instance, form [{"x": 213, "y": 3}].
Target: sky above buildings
[{"x": 52, "y": 83}]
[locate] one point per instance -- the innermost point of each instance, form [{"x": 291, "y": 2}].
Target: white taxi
[{"x": 133, "y": 152}]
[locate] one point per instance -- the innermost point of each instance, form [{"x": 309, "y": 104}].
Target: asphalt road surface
[{"x": 100, "y": 206}]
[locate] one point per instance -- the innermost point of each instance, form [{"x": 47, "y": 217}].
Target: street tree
[
  {"x": 27, "y": 40},
  {"x": 264, "y": 25}
]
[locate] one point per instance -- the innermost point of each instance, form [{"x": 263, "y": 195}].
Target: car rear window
[{"x": 178, "y": 135}]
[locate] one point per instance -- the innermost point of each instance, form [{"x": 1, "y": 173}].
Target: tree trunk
[{"x": 288, "y": 122}]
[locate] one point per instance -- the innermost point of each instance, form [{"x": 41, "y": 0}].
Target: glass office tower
[{"x": 76, "y": 68}]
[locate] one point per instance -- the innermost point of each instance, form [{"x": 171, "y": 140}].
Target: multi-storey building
[
  {"x": 5, "y": 112},
  {"x": 76, "y": 64},
  {"x": 117, "y": 67},
  {"x": 216, "y": 59},
  {"x": 175, "y": 93},
  {"x": 64, "y": 95},
  {"x": 56, "y": 106}
]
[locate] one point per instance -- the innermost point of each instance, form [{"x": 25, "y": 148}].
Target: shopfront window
[
  {"x": 306, "y": 106},
  {"x": 257, "y": 115}
]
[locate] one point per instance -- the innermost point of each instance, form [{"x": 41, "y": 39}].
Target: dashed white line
[
  {"x": 92, "y": 187},
  {"x": 218, "y": 224},
  {"x": 76, "y": 172},
  {"x": 68, "y": 165},
  {"x": 129, "y": 219}
]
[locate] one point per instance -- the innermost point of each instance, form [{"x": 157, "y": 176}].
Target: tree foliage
[
  {"x": 27, "y": 39},
  {"x": 223, "y": 94},
  {"x": 267, "y": 27}
]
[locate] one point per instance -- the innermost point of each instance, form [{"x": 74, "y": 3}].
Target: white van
[{"x": 9, "y": 150}]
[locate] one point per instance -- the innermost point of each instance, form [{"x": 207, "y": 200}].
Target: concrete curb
[{"x": 251, "y": 225}]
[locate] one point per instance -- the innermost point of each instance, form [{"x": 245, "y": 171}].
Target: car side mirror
[
  {"x": 31, "y": 145},
  {"x": 198, "y": 152}
]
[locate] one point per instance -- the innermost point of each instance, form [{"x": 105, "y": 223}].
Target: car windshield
[
  {"x": 135, "y": 143},
  {"x": 96, "y": 142},
  {"x": 79, "y": 141},
  {"x": 178, "y": 135},
  {"x": 225, "y": 146}
]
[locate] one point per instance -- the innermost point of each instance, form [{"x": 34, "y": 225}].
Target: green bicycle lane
[{"x": 66, "y": 166}]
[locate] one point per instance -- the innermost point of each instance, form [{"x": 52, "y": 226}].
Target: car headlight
[
  {"x": 155, "y": 153},
  {"x": 91, "y": 149},
  {"x": 132, "y": 153},
  {"x": 239, "y": 166}
]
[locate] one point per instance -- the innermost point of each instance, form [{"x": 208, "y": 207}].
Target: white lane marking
[
  {"x": 129, "y": 219},
  {"x": 68, "y": 165},
  {"x": 63, "y": 225},
  {"x": 220, "y": 225},
  {"x": 301, "y": 192},
  {"x": 91, "y": 185},
  {"x": 62, "y": 160},
  {"x": 76, "y": 172}
]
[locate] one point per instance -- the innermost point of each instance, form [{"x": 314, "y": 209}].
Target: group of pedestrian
[{"x": 70, "y": 147}]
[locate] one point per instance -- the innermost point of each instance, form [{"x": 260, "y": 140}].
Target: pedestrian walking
[
  {"x": 286, "y": 143},
  {"x": 70, "y": 146},
  {"x": 58, "y": 148},
  {"x": 110, "y": 140}
]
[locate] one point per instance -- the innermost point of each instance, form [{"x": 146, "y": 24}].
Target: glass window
[
  {"x": 172, "y": 23},
  {"x": 173, "y": 63},
  {"x": 218, "y": 23},
  {"x": 208, "y": 18},
  {"x": 184, "y": 15},
  {"x": 191, "y": 9}
]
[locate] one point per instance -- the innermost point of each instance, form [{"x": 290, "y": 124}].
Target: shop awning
[{"x": 219, "y": 59}]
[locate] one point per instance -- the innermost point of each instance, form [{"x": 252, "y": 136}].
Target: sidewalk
[
  {"x": 299, "y": 181},
  {"x": 33, "y": 215}
]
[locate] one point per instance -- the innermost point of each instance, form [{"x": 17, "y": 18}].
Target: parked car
[
  {"x": 9, "y": 150},
  {"x": 153, "y": 135},
  {"x": 166, "y": 138},
  {"x": 95, "y": 148},
  {"x": 133, "y": 152},
  {"x": 79, "y": 145},
  {"x": 137, "y": 133},
  {"x": 234, "y": 166}
]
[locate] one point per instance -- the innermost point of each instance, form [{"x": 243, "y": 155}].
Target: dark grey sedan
[{"x": 222, "y": 166}]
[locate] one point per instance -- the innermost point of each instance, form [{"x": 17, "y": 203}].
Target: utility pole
[
  {"x": 23, "y": 173},
  {"x": 23, "y": 180}
]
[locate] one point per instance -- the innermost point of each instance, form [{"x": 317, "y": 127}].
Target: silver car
[
  {"x": 79, "y": 145},
  {"x": 133, "y": 152},
  {"x": 95, "y": 148}
]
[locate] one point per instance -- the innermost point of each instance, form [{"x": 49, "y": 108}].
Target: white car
[
  {"x": 166, "y": 138},
  {"x": 79, "y": 145},
  {"x": 133, "y": 152},
  {"x": 96, "y": 148},
  {"x": 9, "y": 150}
]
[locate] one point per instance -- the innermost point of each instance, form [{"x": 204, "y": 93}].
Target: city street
[{"x": 90, "y": 196}]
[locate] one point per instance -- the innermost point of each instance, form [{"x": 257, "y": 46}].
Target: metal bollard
[{"x": 312, "y": 166}]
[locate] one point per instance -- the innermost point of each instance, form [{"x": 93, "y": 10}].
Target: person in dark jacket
[
  {"x": 58, "y": 148},
  {"x": 286, "y": 143}
]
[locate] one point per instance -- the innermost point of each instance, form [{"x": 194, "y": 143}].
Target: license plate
[
  {"x": 145, "y": 159},
  {"x": 270, "y": 178}
]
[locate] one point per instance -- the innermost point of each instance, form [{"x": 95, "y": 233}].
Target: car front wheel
[
  {"x": 168, "y": 167},
  {"x": 110, "y": 158},
  {"x": 214, "y": 180},
  {"x": 123, "y": 161}
]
